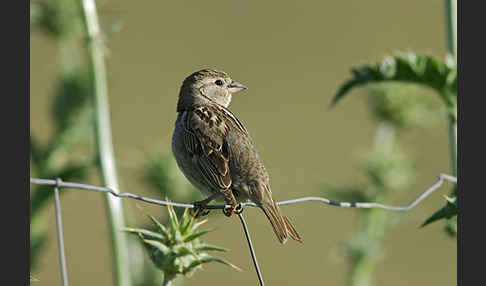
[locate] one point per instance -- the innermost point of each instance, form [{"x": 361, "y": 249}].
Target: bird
[{"x": 215, "y": 152}]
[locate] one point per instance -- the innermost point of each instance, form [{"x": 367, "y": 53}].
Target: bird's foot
[
  {"x": 200, "y": 206},
  {"x": 233, "y": 209},
  {"x": 199, "y": 209}
]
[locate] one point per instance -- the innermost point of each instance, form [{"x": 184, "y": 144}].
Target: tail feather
[
  {"x": 281, "y": 224},
  {"x": 291, "y": 230}
]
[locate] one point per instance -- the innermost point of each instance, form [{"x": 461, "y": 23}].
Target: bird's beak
[{"x": 235, "y": 86}]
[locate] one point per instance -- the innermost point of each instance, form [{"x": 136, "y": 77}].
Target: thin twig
[
  {"x": 250, "y": 245},
  {"x": 366, "y": 205},
  {"x": 60, "y": 240}
]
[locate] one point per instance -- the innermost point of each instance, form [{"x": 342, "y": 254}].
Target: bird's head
[{"x": 208, "y": 85}]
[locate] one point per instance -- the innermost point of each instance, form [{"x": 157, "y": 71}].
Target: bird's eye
[{"x": 219, "y": 82}]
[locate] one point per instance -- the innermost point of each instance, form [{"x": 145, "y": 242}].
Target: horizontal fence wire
[
  {"x": 61, "y": 184},
  {"x": 58, "y": 184}
]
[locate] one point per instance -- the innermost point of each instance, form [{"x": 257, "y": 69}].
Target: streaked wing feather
[{"x": 204, "y": 138}]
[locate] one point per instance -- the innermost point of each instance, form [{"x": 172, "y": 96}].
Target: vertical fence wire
[
  {"x": 250, "y": 245},
  {"x": 60, "y": 239}
]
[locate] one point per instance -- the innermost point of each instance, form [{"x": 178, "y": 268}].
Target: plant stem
[
  {"x": 105, "y": 147},
  {"x": 168, "y": 280},
  {"x": 453, "y": 144},
  {"x": 373, "y": 222},
  {"x": 451, "y": 27}
]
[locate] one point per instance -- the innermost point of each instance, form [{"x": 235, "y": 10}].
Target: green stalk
[
  {"x": 105, "y": 147},
  {"x": 374, "y": 222},
  {"x": 451, "y": 26},
  {"x": 168, "y": 280}
]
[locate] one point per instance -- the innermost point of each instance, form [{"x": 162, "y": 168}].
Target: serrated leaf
[
  {"x": 144, "y": 232},
  {"x": 409, "y": 68},
  {"x": 195, "y": 235}
]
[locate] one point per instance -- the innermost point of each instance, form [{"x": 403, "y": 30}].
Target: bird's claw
[
  {"x": 199, "y": 210},
  {"x": 236, "y": 209}
]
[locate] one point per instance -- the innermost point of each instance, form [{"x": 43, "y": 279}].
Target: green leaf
[
  {"x": 158, "y": 245},
  {"x": 144, "y": 232},
  {"x": 160, "y": 226},
  {"x": 186, "y": 222},
  {"x": 209, "y": 258},
  {"x": 446, "y": 212},
  {"x": 409, "y": 68},
  {"x": 184, "y": 250},
  {"x": 174, "y": 222},
  {"x": 198, "y": 224},
  {"x": 195, "y": 235},
  {"x": 209, "y": 247}
]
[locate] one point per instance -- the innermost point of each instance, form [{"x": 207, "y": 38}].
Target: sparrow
[{"x": 214, "y": 150}]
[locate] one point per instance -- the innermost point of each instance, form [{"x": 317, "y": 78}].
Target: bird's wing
[{"x": 205, "y": 139}]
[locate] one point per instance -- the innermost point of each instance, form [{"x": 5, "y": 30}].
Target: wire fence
[{"x": 58, "y": 184}]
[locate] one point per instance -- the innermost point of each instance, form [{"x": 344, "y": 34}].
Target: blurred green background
[{"x": 293, "y": 55}]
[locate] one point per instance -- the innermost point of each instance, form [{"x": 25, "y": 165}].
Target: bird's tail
[{"x": 281, "y": 224}]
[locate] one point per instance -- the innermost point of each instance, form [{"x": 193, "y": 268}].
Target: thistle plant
[
  {"x": 396, "y": 110},
  {"x": 423, "y": 70},
  {"x": 176, "y": 248},
  {"x": 397, "y": 107}
]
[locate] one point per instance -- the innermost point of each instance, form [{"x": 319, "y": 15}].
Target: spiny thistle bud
[{"x": 176, "y": 249}]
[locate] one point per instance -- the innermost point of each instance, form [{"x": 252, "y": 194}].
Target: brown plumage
[{"x": 215, "y": 152}]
